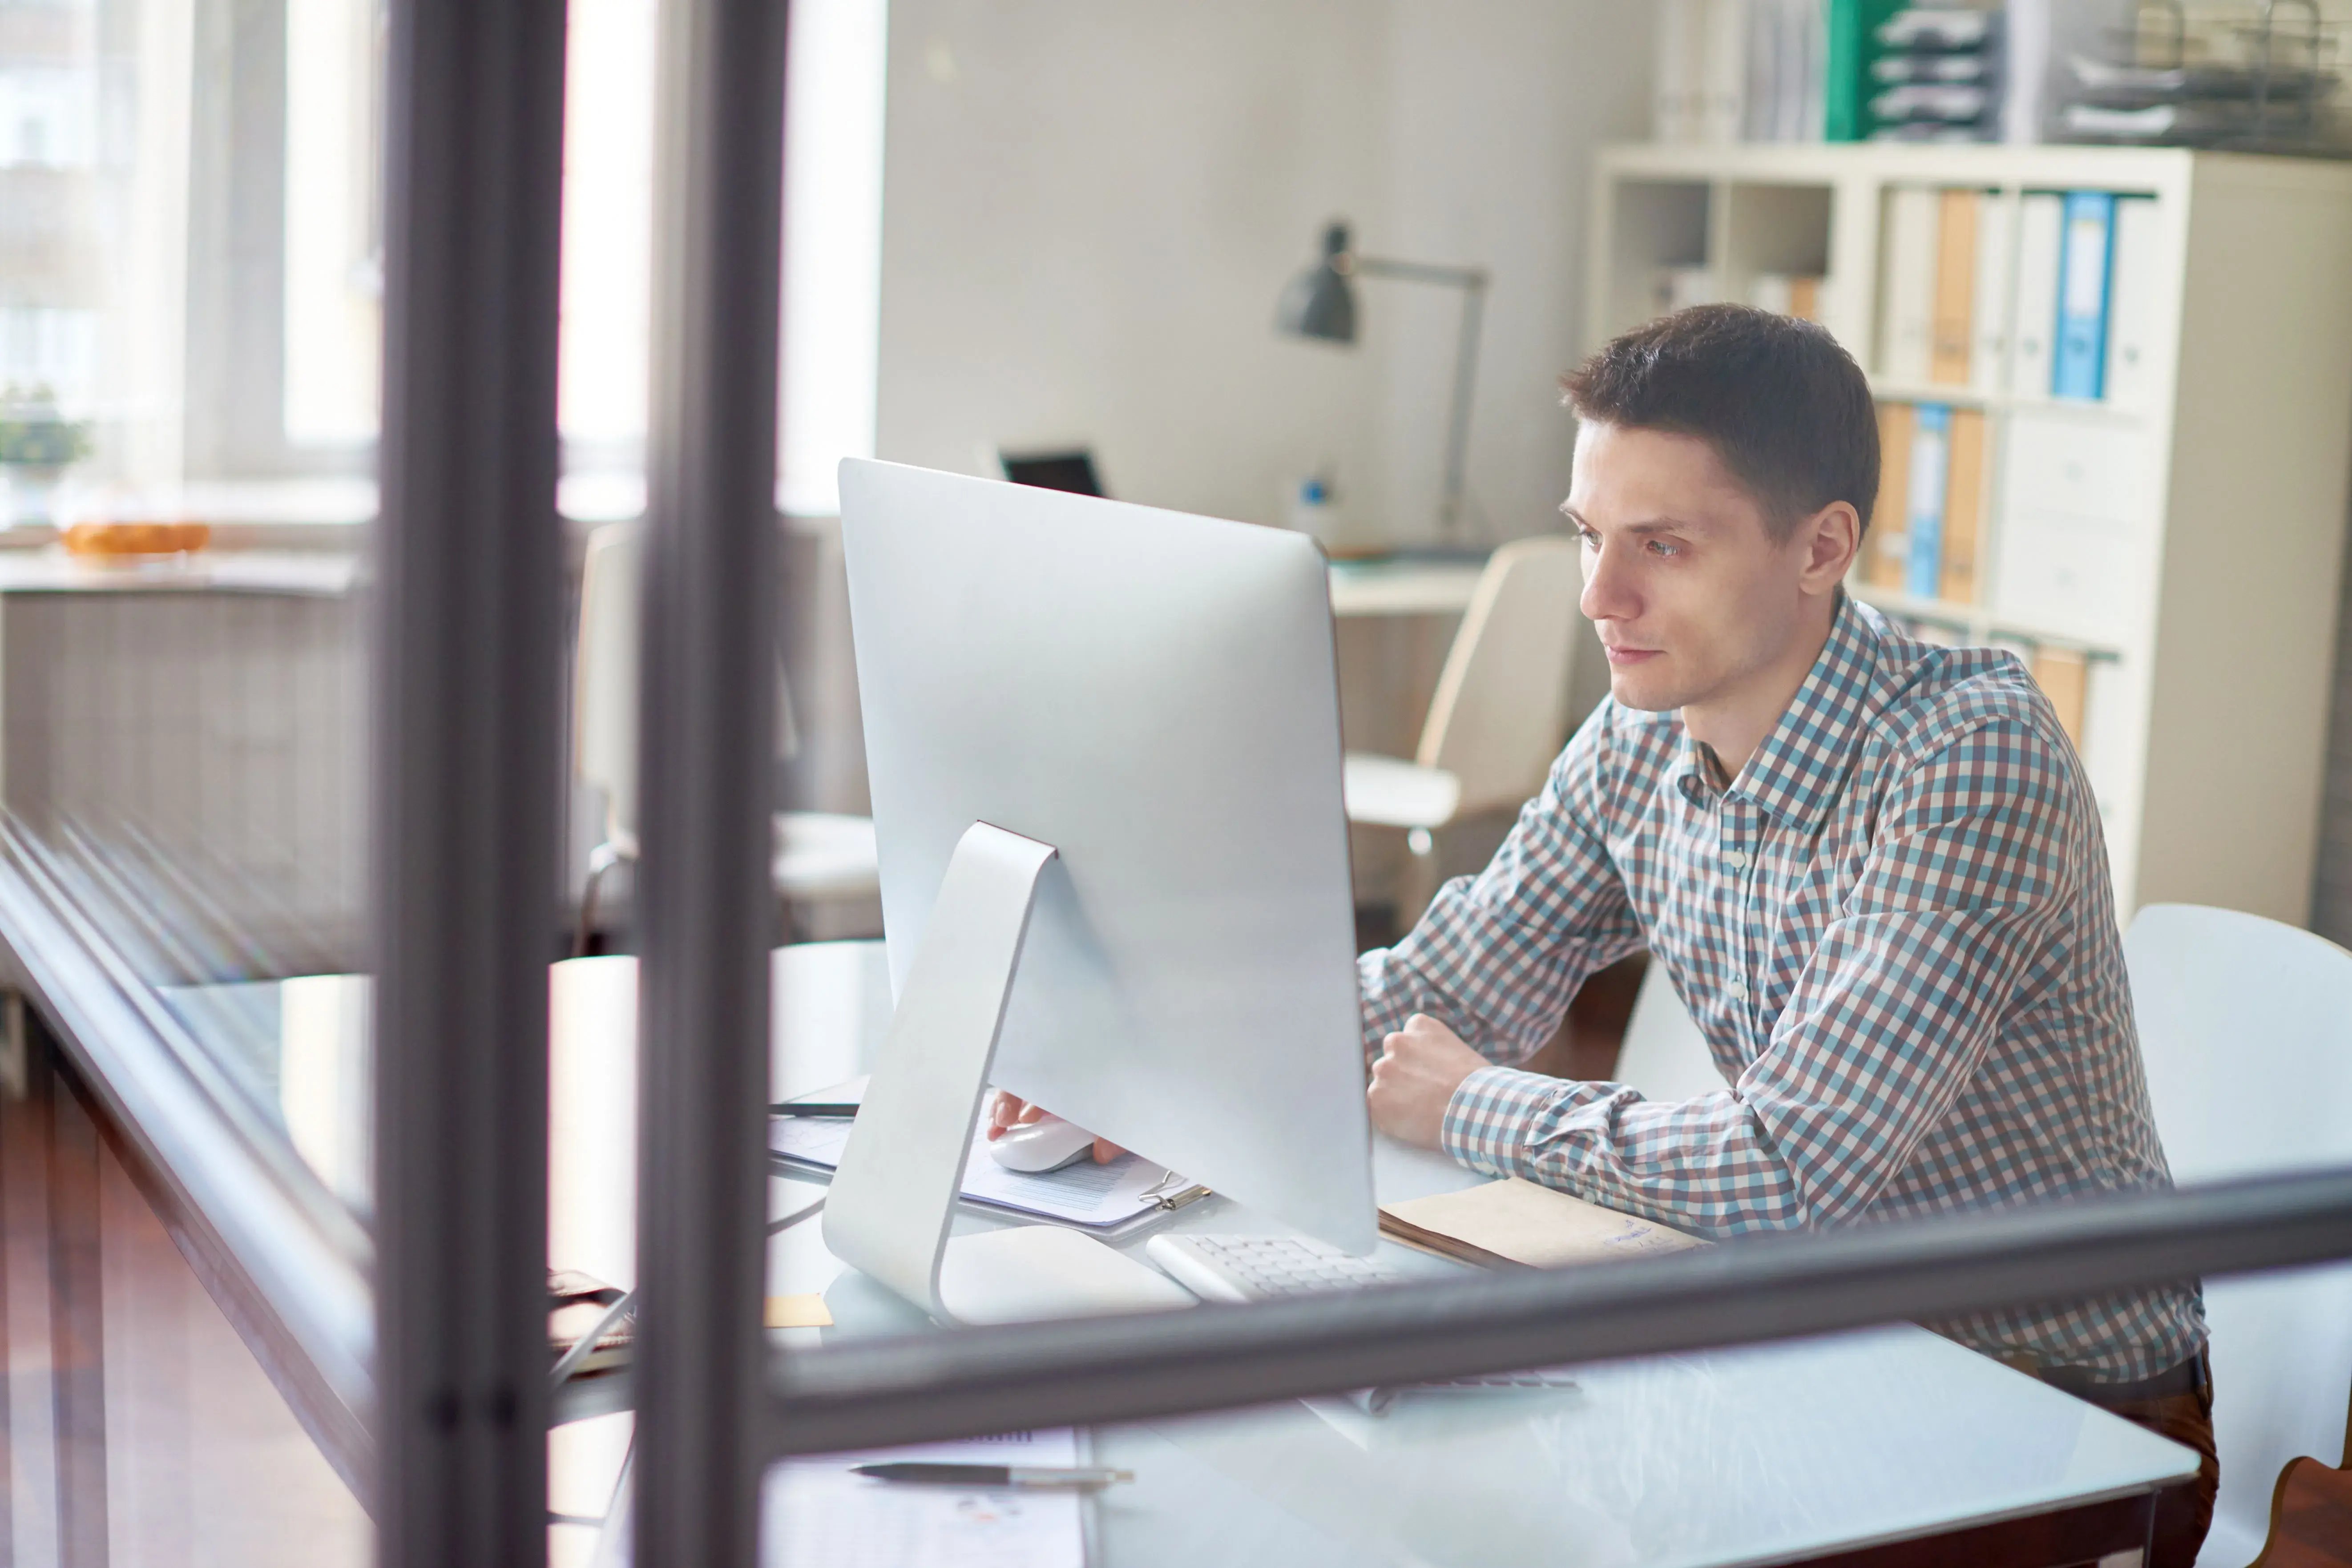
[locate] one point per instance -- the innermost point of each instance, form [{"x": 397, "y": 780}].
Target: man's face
[{"x": 1688, "y": 589}]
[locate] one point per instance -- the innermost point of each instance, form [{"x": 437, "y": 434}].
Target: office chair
[
  {"x": 2246, "y": 1027},
  {"x": 820, "y": 857},
  {"x": 1664, "y": 1055},
  {"x": 1498, "y": 718}
]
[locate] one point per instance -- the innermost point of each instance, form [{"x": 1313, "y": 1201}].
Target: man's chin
[{"x": 1645, "y": 690}]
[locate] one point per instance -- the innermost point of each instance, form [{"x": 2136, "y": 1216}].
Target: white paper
[
  {"x": 1086, "y": 1194},
  {"x": 815, "y": 1514}
]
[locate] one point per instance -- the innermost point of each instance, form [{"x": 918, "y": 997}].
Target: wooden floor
[{"x": 138, "y": 1429}]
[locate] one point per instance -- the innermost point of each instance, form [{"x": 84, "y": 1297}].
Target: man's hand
[
  {"x": 1420, "y": 1068},
  {"x": 1008, "y": 1110}
]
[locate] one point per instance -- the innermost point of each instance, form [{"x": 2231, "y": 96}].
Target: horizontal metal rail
[{"x": 1757, "y": 1289}]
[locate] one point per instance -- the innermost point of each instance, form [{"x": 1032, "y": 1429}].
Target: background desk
[
  {"x": 1767, "y": 1453},
  {"x": 205, "y": 718},
  {"x": 1403, "y": 585}
]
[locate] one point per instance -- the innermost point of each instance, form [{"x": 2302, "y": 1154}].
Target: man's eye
[{"x": 1665, "y": 547}]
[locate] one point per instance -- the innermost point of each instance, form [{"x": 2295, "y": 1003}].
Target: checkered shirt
[{"x": 1897, "y": 931}]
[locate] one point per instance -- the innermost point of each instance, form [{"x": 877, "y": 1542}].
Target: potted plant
[{"x": 37, "y": 445}]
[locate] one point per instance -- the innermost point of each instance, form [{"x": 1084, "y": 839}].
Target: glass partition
[
  {"x": 1607, "y": 1030},
  {"x": 184, "y": 720}
]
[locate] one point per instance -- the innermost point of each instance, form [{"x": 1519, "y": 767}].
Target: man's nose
[{"x": 1608, "y": 592}]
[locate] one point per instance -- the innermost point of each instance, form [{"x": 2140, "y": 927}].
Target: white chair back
[
  {"x": 604, "y": 674},
  {"x": 1499, "y": 714},
  {"x": 1664, "y": 1055},
  {"x": 2246, "y": 1027}
]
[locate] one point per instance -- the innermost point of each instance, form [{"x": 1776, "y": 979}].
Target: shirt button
[
  {"x": 1736, "y": 858},
  {"x": 1738, "y": 989}
]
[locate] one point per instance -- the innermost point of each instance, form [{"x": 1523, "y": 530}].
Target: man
[{"x": 1872, "y": 869}]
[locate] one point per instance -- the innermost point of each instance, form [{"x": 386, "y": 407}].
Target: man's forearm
[{"x": 1696, "y": 1164}]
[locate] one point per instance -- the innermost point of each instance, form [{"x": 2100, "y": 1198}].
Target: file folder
[
  {"x": 2084, "y": 264},
  {"x": 1963, "y": 499},
  {"x": 1952, "y": 320},
  {"x": 1889, "y": 543},
  {"x": 2131, "y": 303},
  {"x": 1907, "y": 318},
  {"x": 2041, "y": 228},
  {"x": 1931, "y": 453},
  {"x": 1994, "y": 295}
]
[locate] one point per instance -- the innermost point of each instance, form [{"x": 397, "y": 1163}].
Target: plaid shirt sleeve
[
  {"x": 1950, "y": 923},
  {"x": 1498, "y": 956}
]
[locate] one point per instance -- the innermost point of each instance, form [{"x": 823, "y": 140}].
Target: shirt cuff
[{"x": 1487, "y": 1121}]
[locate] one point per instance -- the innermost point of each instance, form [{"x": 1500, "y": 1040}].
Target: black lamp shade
[{"x": 1321, "y": 302}]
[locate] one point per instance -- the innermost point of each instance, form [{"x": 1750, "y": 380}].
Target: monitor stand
[{"x": 893, "y": 1195}]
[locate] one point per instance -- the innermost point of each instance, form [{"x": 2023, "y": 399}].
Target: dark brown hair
[{"x": 1785, "y": 408}]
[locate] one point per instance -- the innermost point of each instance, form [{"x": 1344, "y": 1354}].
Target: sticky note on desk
[{"x": 798, "y": 1312}]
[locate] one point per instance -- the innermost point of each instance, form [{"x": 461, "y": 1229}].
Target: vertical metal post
[
  {"x": 707, "y": 766},
  {"x": 465, "y": 761},
  {"x": 77, "y": 1329}
]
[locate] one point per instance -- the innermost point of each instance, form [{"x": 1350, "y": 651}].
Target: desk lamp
[{"x": 1321, "y": 304}]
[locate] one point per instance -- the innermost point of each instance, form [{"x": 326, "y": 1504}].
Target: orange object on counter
[{"x": 128, "y": 539}]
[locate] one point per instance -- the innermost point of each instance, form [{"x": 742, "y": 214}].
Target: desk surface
[
  {"x": 1750, "y": 1456},
  {"x": 304, "y": 573},
  {"x": 1403, "y": 585}
]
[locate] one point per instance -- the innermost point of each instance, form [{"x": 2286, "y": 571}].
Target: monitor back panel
[{"x": 1154, "y": 695}]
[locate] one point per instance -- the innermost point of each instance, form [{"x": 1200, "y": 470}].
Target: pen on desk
[
  {"x": 839, "y": 1110},
  {"x": 991, "y": 1475}
]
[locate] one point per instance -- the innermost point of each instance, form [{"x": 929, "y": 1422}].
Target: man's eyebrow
[{"x": 1644, "y": 529}]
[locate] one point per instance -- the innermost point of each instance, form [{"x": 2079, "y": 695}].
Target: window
[{"x": 334, "y": 242}]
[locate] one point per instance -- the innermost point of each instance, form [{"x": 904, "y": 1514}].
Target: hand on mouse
[{"x": 1011, "y": 1110}]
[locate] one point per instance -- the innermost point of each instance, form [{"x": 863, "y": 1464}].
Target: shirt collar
[{"x": 1795, "y": 774}]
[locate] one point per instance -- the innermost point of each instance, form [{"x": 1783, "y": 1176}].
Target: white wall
[
  {"x": 1493, "y": 107},
  {"x": 1090, "y": 206}
]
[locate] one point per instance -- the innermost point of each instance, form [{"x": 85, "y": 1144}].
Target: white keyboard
[
  {"x": 1262, "y": 1267},
  {"x": 1270, "y": 1268}
]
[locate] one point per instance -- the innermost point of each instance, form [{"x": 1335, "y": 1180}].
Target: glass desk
[
  {"x": 1757, "y": 1455},
  {"x": 1809, "y": 1449}
]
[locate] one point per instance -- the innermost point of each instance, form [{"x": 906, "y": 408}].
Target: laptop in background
[{"x": 1071, "y": 470}]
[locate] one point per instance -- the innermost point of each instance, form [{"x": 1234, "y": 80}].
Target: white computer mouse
[{"x": 1045, "y": 1145}]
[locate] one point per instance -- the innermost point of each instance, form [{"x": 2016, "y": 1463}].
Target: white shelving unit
[{"x": 2227, "y": 480}]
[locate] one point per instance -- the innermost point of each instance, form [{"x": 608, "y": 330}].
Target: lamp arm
[
  {"x": 1419, "y": 271},
  {"x": 1457, "y": 436},
  {"x": 1471, "y": 282}
]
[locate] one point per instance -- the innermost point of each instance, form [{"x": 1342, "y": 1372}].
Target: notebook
[{"x": 1516, "y": 1224}]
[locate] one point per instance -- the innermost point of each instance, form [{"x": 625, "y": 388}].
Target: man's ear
[{"x": 1831, "y": 539}]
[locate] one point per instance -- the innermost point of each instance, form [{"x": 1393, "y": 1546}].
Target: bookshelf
[{"x": 2181, "y": 541}]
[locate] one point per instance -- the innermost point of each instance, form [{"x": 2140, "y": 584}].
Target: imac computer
[{"x": 1103, "y": 742}]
